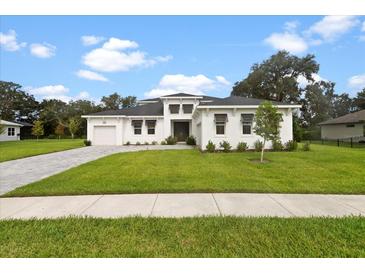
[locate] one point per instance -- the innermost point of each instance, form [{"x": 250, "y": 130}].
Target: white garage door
[{"x": 104, "y": 135}]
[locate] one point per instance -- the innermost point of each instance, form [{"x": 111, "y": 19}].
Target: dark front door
[{"x": 181, "y": 131}]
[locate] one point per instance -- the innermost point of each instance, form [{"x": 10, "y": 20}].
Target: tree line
[
  {"x": 52, "y": 117},
  {"x": 273, "y": 79},
  {"x": 276, "y": 79}
]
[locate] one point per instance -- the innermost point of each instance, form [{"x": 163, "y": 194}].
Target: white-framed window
[
  {"x": 151, "y": 125},
  {"x": 174, "y": 108},
  {"x": 11, "y": 131},
  {"x": 220, "y": 123},
  {"x": 247, "y": 120},
  {"x": 137, "y": 124}
]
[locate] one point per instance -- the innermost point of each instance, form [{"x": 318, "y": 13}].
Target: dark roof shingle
[
  {"x": 353, "y": 118},
  {"x": 153, "y": 109},
  {"x": 237, "y": 101}
]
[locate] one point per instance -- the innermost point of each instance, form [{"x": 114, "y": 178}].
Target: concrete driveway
[{"x": 21, "y": 172}]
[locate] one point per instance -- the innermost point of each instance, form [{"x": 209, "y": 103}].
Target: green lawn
[
  {"x": 186, "y": 237},
  {"x": 19, "y": 149},
  {"x": 325, "y": 169}
]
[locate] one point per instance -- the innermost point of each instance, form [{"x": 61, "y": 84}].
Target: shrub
[
  {"x": 277, "y": 146},
  {"x": 291, "y": 145},
  {"x": 171, "y": 140},
  {"x": 242, "y": 146},
  {"x": 154, "y": 143},
  {"x": 258, "y": 145},
  {"x": 138, "y": 144},
  {"x": 306, "y": 146},
  {"x": 146, "y": 143},
  {"x": 225, "y": 146},
  {"x": 127, "y": 143},
  {"x": 51, "y": 136},
  {"x": 87, "y": 143},
  {"x": 210, "y": 146},
  {"x": 163, "y": 143},
  {"x": 191, "y": 141}
]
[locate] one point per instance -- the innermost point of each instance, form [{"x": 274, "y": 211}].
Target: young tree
[
  {"x": 38, "y": 129},
  {"x": 59, "y": 131},
  {"x": 73, "y": 126},
  {"x": 267, "y": 121}
]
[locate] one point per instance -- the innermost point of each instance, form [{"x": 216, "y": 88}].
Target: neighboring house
[
  {"x": 11, "y": 131},
  {"x": 349, "y": 125},
  {"x": 181, "y": 115},
  {"x": 25, "y": 130}
]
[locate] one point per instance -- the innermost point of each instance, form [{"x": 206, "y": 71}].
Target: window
[
  {"x": 151, "y": 124},
  {"x": 350, "y": 125},
  {"x": 188, "y": 108},
  {"x": 247, "y": 119},
  {"x": 11, "y": 131},
  {"x": 220, "y": 123},
  {"x": 137, "y": 124},
  {"x": 174, "y": 109}
]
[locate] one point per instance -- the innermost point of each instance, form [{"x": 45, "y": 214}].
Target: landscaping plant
[
  {"x": 154, "y": 143},
  {"x": 277, "y": 145},
  {"x": 258, "y": 146},
  {"x": 242, "y": 147},
  {"x": 37, "y": 129},
  {"x": 291, "y": 145},
  {"x": 210, "y": 146},
  {"x": 191, "y": 141},
  {"x": 267, "y": 123},
  {"x": 306, "y": 146},
  {"x": 225, "y": 146},
  {"x": 59, "y": 131},
  {"x": 87, "y": 143},
  {"x": 171, "y": 140},
  {"x": 73, "y": 126}
]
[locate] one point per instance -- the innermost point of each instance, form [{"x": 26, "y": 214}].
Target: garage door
[{"x": 105, "y": 135}]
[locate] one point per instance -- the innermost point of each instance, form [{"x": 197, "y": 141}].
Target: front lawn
[
  {"x": 19, "y": 149},
  {"x": 325, "y": 169},
  {"x": 186, "y": 237}
]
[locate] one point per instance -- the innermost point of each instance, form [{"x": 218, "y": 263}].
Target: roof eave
[{"x": 246, "y": 106}]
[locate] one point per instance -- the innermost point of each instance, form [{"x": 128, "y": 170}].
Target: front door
[{"x": 181, "y": 131}]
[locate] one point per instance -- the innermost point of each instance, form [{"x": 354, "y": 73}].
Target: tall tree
[
  {"x": 342, "y": 104},
  {"x": 267, "y": 123},
  {"x": 53, "y": 112},
  {"x": 16, "y": 104},
  {"x": 129, "y": 101},
  {"x": 113, "y": 101},
  {"x": 277, "y": 78},
  {"x": 37, "y": 129},
  {"x": 359, "y": 101}
]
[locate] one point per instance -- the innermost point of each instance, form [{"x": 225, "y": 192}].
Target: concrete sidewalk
[{"x": 183, "y": 205}]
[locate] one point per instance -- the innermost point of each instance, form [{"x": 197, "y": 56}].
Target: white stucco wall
[
  {"x": 4, "y": 136},
  {"x": 106, "y": 121},
  {"x": 341, "y": 131},
  {"x": 233, "y": 131},
  {"x": 129, "y": 135}
]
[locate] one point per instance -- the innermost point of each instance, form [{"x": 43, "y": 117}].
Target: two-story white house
[{"x": 181, "y": 115}]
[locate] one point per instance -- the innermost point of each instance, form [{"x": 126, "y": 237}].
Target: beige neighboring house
[
  {"x": 347, "y": 126},
  {"x": 11, "y": 131}
]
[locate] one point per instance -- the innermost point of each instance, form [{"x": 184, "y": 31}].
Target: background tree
[
  {"x": 276, "y": 79},
  {"x": 2, "y": 128},
  {"x": 113, "y": 101},
  {"x": 16, "y": 104},
  {"x": 37, "y": 129},
  {"x": 53, "y": 112},
  {"x": 73, "y": 126},
  {"x": 129, "y": 101},
  {"x": 267, "y": 123},
  {"x": 59, "y": 131},
  {"x": 359, "y": 101}
]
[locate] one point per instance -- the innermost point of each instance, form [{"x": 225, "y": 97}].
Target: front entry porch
[{"x": 181, "y": 130}]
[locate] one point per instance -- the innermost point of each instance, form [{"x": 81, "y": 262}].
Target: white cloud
[
  {"x": 59, "y": 92},
  {"x": 44, "y": 50},
  {"x": 363, "y": 26},
  {"x": 357, "y": 81},
  {"x": 303, "y": 82},
  {"x": 89, "y": 40},
  {"x": 118, "y": 55},
  {"x": 9, "y": 42},
  {"x": 331, "y": 28},
  {"x": 287, "y": 41},
  {"x": 118, "y": 44},
  {"x": 198, "y": 84},
  {"x": 90, "y": 75},
  {"x": 291, "y": 25}
]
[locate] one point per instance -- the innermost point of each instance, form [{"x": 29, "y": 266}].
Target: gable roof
[
  {"x": 8, "y": 123},
  {"x": 351, "y": 118},
  {"x": 238, "y": 101}
]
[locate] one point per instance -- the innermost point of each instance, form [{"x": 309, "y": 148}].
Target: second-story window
[
  {"x": 174, "y": 108},
  {"x": 137, "y": 124},
  {"x": 188, "y": 108}
]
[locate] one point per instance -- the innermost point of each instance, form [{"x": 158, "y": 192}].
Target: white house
[
  {"x": 11, "y": 131},
  {"x": 347, "y": 126},
  {"x": 181, "y": 115}
]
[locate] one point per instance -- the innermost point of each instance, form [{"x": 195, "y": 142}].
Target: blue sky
[{"x": 71, "y": 57}]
